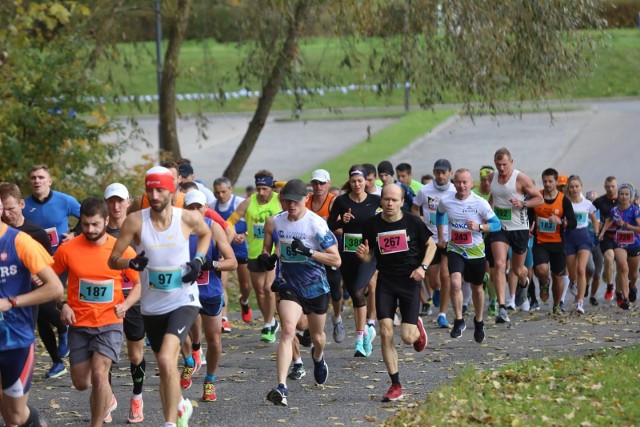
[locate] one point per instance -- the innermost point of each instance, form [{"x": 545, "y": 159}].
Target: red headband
[{"x": 160, "y": 180}]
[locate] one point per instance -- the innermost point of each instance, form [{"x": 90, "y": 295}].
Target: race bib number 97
[
  {"x": 393, "y": 241},
  {"x": 165, "y": 279}
]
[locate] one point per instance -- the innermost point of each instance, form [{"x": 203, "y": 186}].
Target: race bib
[
  {"x": 351, "y": 241},
  {"x": 625, "y": 237},
  {"x": 203, "y": 278},
  {"x": 289, "y": 255},
  {"x": 258, "y": 231},
  {"x": 97, "y": 292},
  {"x": 393, "y": 241},
  {"x": 546, "y": 226},
  {"x": 126, "y": 282},
  {"x": 165, "y": 279},
  {"x": 503, "y": 214},
  {"x": 581, "y": 217},
  {"x": 53, "y": 236},
  {"x": 461, "y": 237}
]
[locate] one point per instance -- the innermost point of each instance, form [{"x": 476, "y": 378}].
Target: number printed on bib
[
  {"x": 625, "y": 237},
  {"x": 289, "y": 255},
  {"x": 97, "y": 292},
  {"x": 351, "y": 241},
  {"x": 258, "y": 231},
  {"x": 461, "y": 237},
  {"x": 546, "y": 226},
  {"x": 503, "y": 214},
  {"x": 581, "y": 217},
  {"x": 203, "y": 278},
  {"x": 393, "y": 241},
  {"x": 432, "y": 218},
  {"x": 165, "y": 279},
  {"x": 53, "y": 236}
]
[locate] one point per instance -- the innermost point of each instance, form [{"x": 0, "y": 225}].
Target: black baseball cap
[
  {"x": 294, "y": 190},
  {"x": 442, "y": 165}
]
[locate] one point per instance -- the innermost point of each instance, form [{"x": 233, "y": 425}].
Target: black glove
[
  {"x": 195, "y": 266},
  {"x": 139, "y": 263},
  {"x": 209, "y": 265},
  {"x": 267, "y": 262},
  {"x": 299, "y": 248}
]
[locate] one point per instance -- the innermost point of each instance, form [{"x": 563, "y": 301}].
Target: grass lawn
[{"x": 596, "y": 390}]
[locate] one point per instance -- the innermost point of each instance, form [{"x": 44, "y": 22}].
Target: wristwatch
[
  {"x": 60, "y": 305},
  {"x": 425, "y": 267},
  {"x": 214, "y": 264}
]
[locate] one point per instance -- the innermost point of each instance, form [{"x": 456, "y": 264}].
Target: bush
[{"x": 621, "y": 13}]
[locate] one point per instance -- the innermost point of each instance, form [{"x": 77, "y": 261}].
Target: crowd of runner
[{"x": 155, "y": 268}]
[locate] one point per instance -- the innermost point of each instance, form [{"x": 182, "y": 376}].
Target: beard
[{"x": 93, "y": 237}]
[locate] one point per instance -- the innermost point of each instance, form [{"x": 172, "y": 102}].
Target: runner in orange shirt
[{"x": 95, "y": 306}]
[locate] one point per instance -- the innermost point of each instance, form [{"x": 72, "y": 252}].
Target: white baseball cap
[
  {"x": 195, "y": 196},
  {"x": 320, "y": 175},
  {"x": 116, "y": 189}
]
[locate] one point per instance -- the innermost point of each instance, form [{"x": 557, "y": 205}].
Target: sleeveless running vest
[
  {"x": 16, "y": 325},
  {"x": 511, "y": 218},
  {"x": 209, "y": 283},
  {"x": 547, "y": 231},
  {"x": 179, "y": 203},
  {"x": 168, "y": 252},
  {"x": 240, "y": 250},
  {"x": 323, "y": 212},
  {"x": 255, "y": 217}
]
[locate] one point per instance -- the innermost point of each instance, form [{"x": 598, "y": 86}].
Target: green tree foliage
[{"x": 48, "y": 96}]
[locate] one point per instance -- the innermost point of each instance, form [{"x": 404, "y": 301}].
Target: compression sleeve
[
  {"x": 235, "y": 217},
  {"x": 441, "y": 218},
  {"x": 494, "y": 224}
]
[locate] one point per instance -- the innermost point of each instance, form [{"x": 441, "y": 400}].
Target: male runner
[
  {"x": 51, "y": 210},
  {"x": 484, "y": 190},
  {"x": 306, "y": 247},
  {"x": 25, "y": 257},
  {"x": 403, "y": 172},
  {"x": 385, "y": 173},
  {"x": 95, "y": 307},
  {"x": 427, "y": 200},
  {"x": 186, "y": 174},
  {"x": 255, "y": 210},
  {"x": 169, "y": 302},
  {"x": 466, "y": 213},
  {"x": 117, "y": 197},
  {"x": 508, "y": 191},
  {"x": 177, "y": 198},
  {"x": 403, "y": 248},
  {"x": 605, "y": 204}
]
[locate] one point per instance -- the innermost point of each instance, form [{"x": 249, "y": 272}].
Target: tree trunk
[
  {"x": 268, "y": 94},
  {"x": 168, "y": 114}
]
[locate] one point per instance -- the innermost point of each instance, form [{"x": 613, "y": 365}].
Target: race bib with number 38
[
  {"x": 165, "y": 279},
  {"x": 97, "y": 292},
  {"x": 393, "y": 241},
  {"x": 351, "y": 241}
]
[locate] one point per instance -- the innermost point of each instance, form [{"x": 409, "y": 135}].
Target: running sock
[
  {"x": 359, "y": 335},
  {"x": 209, "y": 377},
  {"x": 337, "y": 320},
  {"x": 503, "y": 306},
  {"x": 137, "y": 374},
  {"x": 137, "y": 396},
  {"x": 395, "y": 378},
  {"x": 225, "y": 318},
  {"x": 195, "y": 347},
  {"x": 188, "y": 361},
  {"x": 244, "y": 302},
  {"x": 298, "y": 361},
  {"x": 371, "y": 322}
]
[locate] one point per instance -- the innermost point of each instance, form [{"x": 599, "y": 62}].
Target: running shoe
[
  {"x": 608, "y": 295},
  {"x": 633, "y": 293},
  {"x": 579, "y": 307},
  {"x": 135, "y": 411},
  {"x": 278, "y": 395},
  {"x": 394, "y": 393},
  {"x": 265, "y": 335},
  {"x": 197, "y": 358},
  {"x": 185, "y": 410},
  {"x": 436, "y": 298},
  {"x": 562, "y": 307},
  {"x": 625, "y": 304},
  {"x": 521, "y": 295},
  {"x": 304, "y": 338},
  {"x": 274, "y": 329},
  {"x": 112, "y": 407},
  {"x": 573, "y": 288},
  {"x": 534, "y": 305},
  {"x": 442, "y": 321},
  {"x": 503, "y": 316},
  {"x": 320, "y": 369},
  {"x": 526, "y": 305},
  {"x": 297, "y": 371},
  {"x": 478, "y": 333},
  {"x": 619, "y": 298},
  {"x": 397, "y": 319},
  {"x": 421, "y": 342},
  {"x": 226, "y": 326},
  {"x": 557, "y": 310},
  {"x": 593, "y": 301},
  {"x": 511, "y": 307},
  {"x": 465, "y": 310},
  {"x": 425, "y": 310},
  {"x": 458, "y": 327},
  {"x": 247, "y": 315},
  {"x": 367, "y": 341},
  {"x": 360, "y": 352},
  {"x": 544, "y": 292},
  {"x": 493, "y": 307},
  {"x": 57, "y": 370},
  {"x": 63, "y": 343},
  {"x": 209, "y": 392},
  {"x": 186, "y": 377},
  {"x": 338, "y": 331}
]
